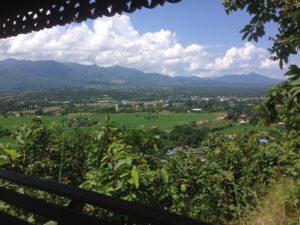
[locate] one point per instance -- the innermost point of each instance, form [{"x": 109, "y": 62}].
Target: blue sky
[
  {"x": 193, "y": 21},
  {"x": 193, "y": 37},
  {"x": 197, "y": 21}
]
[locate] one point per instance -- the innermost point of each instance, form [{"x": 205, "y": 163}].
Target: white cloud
[
  {"x": 114, "y": 41},
  {"x": 236, "y": 58},
  {"x": 268, "y": 64}
]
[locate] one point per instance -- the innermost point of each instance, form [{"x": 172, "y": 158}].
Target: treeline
[{"x": 79, "y": 122}]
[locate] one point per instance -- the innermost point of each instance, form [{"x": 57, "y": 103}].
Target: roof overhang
[{"x": 21, "y": 17}]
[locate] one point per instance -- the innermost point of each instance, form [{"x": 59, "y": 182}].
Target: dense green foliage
[
  {"x": 4, "y": 132},
  {"x": 79, "y": 122},
  {"x": 217, "y": 182},
  {"x": 190, "y": 135},
  {"x": 282, "y": 103}
]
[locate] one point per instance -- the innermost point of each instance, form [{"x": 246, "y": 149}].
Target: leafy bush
[
  {"x": 4, "y": 132},
  {"x": 80, "y": 122},
  {"x": 219, "y": 182}
]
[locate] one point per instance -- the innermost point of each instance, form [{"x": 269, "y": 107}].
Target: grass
[
  {"x": 280, "y": 205},
  {"x": 12, "y": 123},
  {"x": 244, "y": 128},
  {"x": 165, "y": 121},
  {"x": 9, "y": 140}
]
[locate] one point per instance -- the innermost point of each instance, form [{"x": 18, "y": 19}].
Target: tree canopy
[
  {"x": 282, "y": 102},
  {"x": 284, "y": 13}
]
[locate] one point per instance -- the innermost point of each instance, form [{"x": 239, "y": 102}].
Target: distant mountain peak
[{"x": 27, "y": 74}]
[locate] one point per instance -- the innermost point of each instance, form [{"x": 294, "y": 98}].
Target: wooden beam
[
  {"x": 6, "y": 219},
  {"x": 130, "y": 209},
  {"x": 48, "y": 210}
]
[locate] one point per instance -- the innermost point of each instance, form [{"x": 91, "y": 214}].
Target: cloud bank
[{"x": 114, "y": 41}]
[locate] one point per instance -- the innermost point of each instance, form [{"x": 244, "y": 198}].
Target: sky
[{"x": 190, "y": 38}]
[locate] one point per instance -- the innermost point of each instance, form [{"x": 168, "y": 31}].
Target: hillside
[{"x": 26, "y": 74}]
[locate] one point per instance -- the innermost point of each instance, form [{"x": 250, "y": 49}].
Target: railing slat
[
  {"x": 6, "y": 219},
  {"x": 48, "y": 210},
  {"x": 130, "y": 209}
]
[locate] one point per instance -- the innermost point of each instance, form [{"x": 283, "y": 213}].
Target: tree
[
  {"x": 284, "y": 13},
  {"x": 282, "y": 101},
  {"x": 7, "y": 156}
]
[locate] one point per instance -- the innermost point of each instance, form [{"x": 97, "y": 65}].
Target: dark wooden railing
[{"x": 72, "y": 214}]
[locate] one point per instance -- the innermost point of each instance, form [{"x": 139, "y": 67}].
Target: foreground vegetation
[{"x": 219, "y": 181}]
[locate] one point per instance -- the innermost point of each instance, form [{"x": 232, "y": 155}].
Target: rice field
[{"x": 164, "y": 121}]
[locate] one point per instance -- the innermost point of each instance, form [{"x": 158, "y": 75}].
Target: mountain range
[{"x": 45, "y": 74}]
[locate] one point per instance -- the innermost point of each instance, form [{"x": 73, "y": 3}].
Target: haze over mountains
[{"x": 31, "y": 75}]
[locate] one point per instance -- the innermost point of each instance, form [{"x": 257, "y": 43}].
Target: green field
[
  {"x": 244, "y": 128},
  {"x": 6, "y": 140},
  {"x": 164, "y": 121}
]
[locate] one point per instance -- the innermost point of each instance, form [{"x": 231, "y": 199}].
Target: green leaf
[
  {"x": 135, "y": 177},
  {"x": 129, "y": 160},
  {"x": 51, "y": 223},
  {"x": 164, "y": 175},
  {"x": 295, "y": 92},
  {"x": 12, "y": 153},
  {"x": 245, "y": 35},
  {"x": 124, "y": 175},
  {"x": 183, "y": 188},
  {"x": 31, "y": 219},
  {"x": 120, "y": 163},
  {"x": 293, "y": 70},
  {"x": 296, "y": 82}
]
